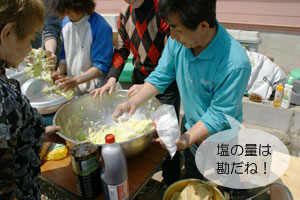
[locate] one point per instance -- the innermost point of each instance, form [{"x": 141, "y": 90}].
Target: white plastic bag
[
  {"x": 265, "y": 75},
  {"x": 167, "y": 127}
]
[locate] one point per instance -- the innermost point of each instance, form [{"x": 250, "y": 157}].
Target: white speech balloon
[{"x": 264, "y": 158}]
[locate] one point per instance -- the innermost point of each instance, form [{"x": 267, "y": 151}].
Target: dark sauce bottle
[{"x": 87, "y": 168}]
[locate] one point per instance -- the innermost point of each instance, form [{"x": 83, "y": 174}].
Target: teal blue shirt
[{"x": 211, "y": 84}]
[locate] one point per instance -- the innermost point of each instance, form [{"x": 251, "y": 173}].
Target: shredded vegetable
[
  {"x": 123, "y": 131},
  {"x": 38, "y": 69}
]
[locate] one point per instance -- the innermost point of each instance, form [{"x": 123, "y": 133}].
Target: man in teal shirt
[{"x": 211, "y": 70}]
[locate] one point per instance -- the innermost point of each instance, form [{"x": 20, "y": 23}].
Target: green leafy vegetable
[
  {"x": 38, "y": 69},
  {"x": 80, "y": 135}
]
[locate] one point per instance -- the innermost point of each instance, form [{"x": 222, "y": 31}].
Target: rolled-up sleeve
[
  {"x": 52, "y": 28},
  {"x": 102, "y": 48},
  {"x": 227, "y": 99}
]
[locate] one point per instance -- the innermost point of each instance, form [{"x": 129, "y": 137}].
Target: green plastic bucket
[
  {"x": 127, "y": 71},
  {"x": 295, "y": 74}
]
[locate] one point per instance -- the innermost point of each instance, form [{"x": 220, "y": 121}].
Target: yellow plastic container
[
  {"x": 278, "y": 95},
  {"x": 56, "y": 152}
]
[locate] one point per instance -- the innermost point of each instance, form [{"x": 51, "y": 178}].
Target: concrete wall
[
  {"x": 110, "y": 6},
  {"x": 264, "y": 114},
  {"x": 284, "y": 48},
  {"x": 281, "y": 122}
]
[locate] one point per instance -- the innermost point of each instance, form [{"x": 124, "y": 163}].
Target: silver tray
[{"x": 45, "y": 103}]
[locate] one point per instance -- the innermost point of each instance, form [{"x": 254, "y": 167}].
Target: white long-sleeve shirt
[{"x": 87, "y": 43}]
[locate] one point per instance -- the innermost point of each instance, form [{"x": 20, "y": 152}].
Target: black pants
[
  {"x": 191, "y": 170},
  {"x": 170, "y": 167}
]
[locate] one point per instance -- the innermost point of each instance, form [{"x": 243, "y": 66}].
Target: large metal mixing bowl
[{"x": 86, "y": 112}]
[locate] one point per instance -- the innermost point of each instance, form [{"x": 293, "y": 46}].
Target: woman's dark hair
[
  {"x": 191, "y": 12},
  {"x": 83, "y": 6}
]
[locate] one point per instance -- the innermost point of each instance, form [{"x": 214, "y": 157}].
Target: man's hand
[
  {"x": 51, "y": 136},
  {"x": 133, "y": 90},
  {"x": 66, "y": 83},
  {"x": 182, "y": 142},
  {"x": 158, "y": 140},
  {"x": 147, "y": 92},
  {"x": 109, "y": 86},
  {"x": 127, "y": 106}
]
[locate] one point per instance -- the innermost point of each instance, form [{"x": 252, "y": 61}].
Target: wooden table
[{"x": 140, "y": 170}]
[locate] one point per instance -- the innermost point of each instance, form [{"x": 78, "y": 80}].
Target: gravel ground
[
  {"x": 49, "y": 192},
  {"x": 153, "y": 190}
]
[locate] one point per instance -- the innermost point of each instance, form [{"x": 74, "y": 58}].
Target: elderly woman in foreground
[{"x": 22, "y": 129}]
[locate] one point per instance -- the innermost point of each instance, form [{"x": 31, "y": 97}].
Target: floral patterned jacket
[{"x": 21, "y": 136}]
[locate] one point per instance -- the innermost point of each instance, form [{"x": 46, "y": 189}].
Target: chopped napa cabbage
[
  {"x": 123, "y": 131},
  {"x": 38, "y": 69}
]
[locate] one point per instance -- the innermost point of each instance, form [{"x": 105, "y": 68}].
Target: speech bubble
[{"x": 242, "y": 158}]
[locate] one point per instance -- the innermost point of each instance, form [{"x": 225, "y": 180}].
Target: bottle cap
[
  {"x": 109, "y": 138},
  {"x": 289, "y": 81},
  {"x": 279, "y": 87}
]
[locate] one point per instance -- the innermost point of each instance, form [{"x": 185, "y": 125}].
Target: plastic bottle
[
  {"x": 287, "y": 94},
  {"x": 278, "y": 95},
  {"x": 114, "y": 175}
]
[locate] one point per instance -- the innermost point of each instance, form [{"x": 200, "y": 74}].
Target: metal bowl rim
[
  {"x": 77, "y": 142},
  {"x": 48, "y": 103},
  {"x": 190, "y": 180}
]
